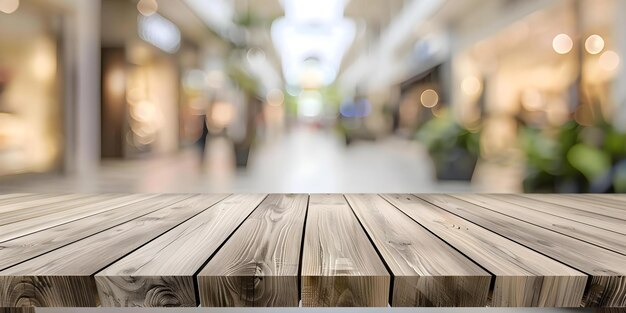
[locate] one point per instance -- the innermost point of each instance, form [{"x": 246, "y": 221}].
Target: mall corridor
[{"x": 305, "y": 160}]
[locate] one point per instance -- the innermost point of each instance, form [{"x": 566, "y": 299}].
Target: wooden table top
[{"x": 284, "y": 250}]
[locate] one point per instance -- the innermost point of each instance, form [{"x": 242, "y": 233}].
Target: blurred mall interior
[{"x": 313, "y": 95}]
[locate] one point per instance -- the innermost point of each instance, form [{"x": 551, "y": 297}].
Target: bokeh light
[
  {"x": 9, "y": 6},
  {"x": 429, "y": 98},
  {"x": 562, "y": 44},
  {"x": 594, "y": 44},
  {"x": 609, "y": 60}
]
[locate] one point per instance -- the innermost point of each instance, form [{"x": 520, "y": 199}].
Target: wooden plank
[
  {"x": 599, "y": 200},
  {"x": 524, "y": 278},
  {"x": 32, "y": 200},
  {"x": 258, "y": 266},
  {"x": 597, "y": 236},
  {"x": 16, "y": 213},
  {"x": 64, "y": 277},
  {"x": 340, "y": 267},
  {"x": 161, "y": 273},
  {"x": 26, "y": 247},
  {"x": 427, "y": 271},
  {"x": 607, "y": 286},
  {"x": 74, "y": 212},
  {"x": 17, "y": 310},
  {"x": 8, "y": 196},
  {"x": 591, "y": 218},
  {"x": 582, "y": 204}
]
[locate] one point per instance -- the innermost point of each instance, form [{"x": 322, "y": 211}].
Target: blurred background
[{"x": 313, "y": 96}]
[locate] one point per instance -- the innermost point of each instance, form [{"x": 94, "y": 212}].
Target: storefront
[{"x": 31, "y": 90}]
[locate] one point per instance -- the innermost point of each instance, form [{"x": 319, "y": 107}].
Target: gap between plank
[
  {"x": 589, "y": 276},
  {"x": 492, "y": 282},
  {"x": 195, "y": 274},
  {"x": 380, "y": 256},
  {"x": 306, "y": 216}
]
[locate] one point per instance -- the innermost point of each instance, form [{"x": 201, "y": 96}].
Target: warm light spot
[
  {"x": 275, "y": 97},
  {"x": 147, "y": 7},
  {"x": 594, "y": 44},
  {"x": 609, "y": 60},
  {"x": 562, "y": 44},
  {"x": 9, "y": 6},
  {"x": 222, "y": 113},
  {"x": 429, "y": 98},
  {"x": 471, "y": 86},
  {"x": 215, "y": 79}
]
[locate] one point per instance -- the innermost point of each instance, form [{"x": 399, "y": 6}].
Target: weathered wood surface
[
  {"x": 161, "y": 273},
  {"x": 17, "y": 250},
  {"x": 597, "y": 236},
  {"x": 427, "y": 271},
  {"x": 523, "y": 277},
  {"x": 607, "y": 285},
  {"x": 258, "y": 266},
  {"x": 340, "y": 267},
  {"x": 584, "y": 216},
  {"x": 64, "y": 277},
  {"x": 77, "y": 250},
  {"x": 98, "y": 204},
  {"x": 40, "y": 207}
]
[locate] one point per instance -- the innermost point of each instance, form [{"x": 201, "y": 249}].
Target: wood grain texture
[
  {"x": 524, "y": 278},
  {"x": 427, "y": 271},
  {"x": 598, "y": 200},
  {"x": 607, "y": 286},
  {"x": 258, "y": 266},
  {"x": 601, "y": 206},
  {"x": 597, "y": 236},
  {"x": 98, "y": 205},
  {"x": 583, "y": 216},
  {"x": 29, "y": 246},
  {"x": 18, "y": 310},
  {"x": 16, "y": 213},
  {"x": 161, "y": 273},
  {"x": 339, "y": 264},
  {"x": 64, "y": 277}
]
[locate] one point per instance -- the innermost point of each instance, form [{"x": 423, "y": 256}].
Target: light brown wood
[
  {"x": 8, "y": 196},
  {"x": 17, "y": 212},
  {"x": 339, "y": 265},
  {"x": 161, "y": 273},
  {"x": 597, "y": 236},
  {"x": 607, "y": 285},
  {"x": 600, "y": 207},
  {"x": 591, "y": 218},
  {"x": 64, "y": 277},
  {"x": 98, "y": 205},
  {"x": 258, "y": 266},
  {"x": 524, "y": 278},
  {"x": 617, "y": 201},
  {"x": 29, "y": 246},
  {"x": 427, "y": 271}
]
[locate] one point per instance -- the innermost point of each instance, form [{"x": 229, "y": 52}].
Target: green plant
[
  {"x": 453, "y": 148},
  {"x": 575, "y": 158}
]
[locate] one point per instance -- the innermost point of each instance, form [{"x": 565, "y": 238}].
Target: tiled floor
[{"x": 306, "y": 160}]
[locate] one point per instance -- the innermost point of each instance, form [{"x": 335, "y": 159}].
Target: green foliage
[
  {"x": 575, "y": 158},
  {"x": 443, "y": 134}
]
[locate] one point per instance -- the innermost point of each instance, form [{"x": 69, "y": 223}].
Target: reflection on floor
[{"x": 305, "y": 160}]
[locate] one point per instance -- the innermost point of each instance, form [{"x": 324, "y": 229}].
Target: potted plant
[{"x": 453, "y": 148}]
